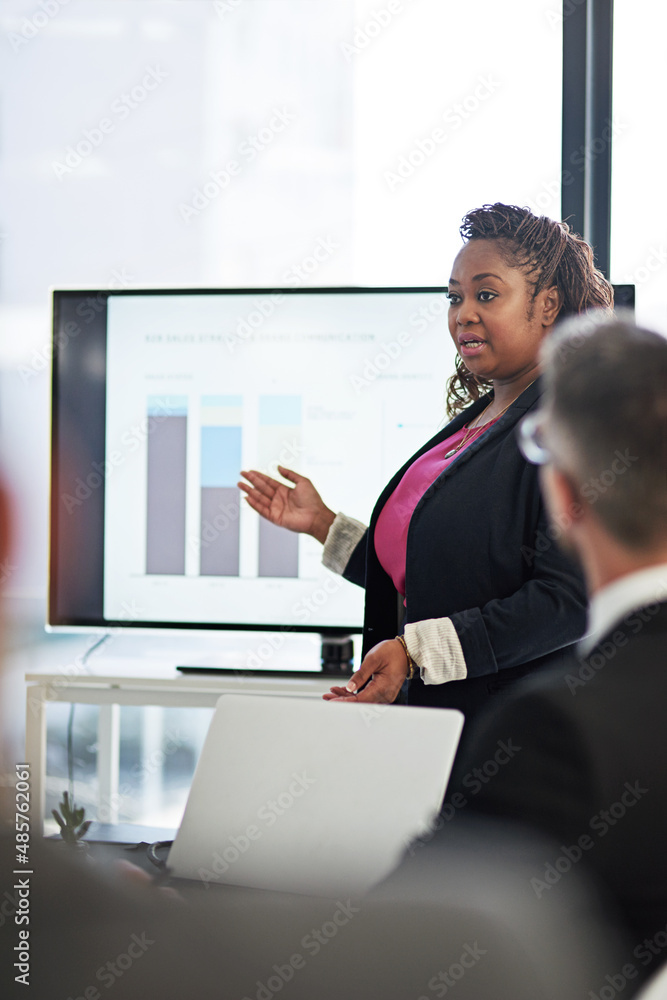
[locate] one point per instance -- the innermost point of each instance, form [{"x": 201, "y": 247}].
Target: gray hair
[{"x": 606, "y": 400}]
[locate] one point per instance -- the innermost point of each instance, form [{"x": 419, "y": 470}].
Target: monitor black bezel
[{"x": 67, "y": 623}]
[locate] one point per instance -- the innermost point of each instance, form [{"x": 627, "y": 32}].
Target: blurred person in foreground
[
  {"x": 580, "y": 752},
  {"x": 72, "y": 929}
]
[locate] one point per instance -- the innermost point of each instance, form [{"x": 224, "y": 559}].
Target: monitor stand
[
  {"x": 337, "y": 655},
  {"x": 330, "y": 654}
]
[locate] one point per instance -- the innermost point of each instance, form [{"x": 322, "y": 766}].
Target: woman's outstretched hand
[
  {"x": 298, "y": 507},
  {"x": 378, "y": 679}
]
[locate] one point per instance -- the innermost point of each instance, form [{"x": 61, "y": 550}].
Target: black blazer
[
  {"x": 480, "y": 552},
  {"x": 585, "y": 756}
]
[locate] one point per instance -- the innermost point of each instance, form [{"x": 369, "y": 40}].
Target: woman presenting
[{"x": 466, "y": 589}]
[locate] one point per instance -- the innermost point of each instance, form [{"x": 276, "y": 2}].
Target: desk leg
[
  {"x": 35, "y": 753},
  {"x": 152, "y": 759},
  {"x": 108, "y": 756}
]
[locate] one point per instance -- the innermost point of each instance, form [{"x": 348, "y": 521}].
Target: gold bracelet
[{"x": 411, "y": 662}]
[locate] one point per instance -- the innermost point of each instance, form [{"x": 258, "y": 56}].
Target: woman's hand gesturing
[
  {"x": 379, "y": 678},
  {"x": 298, "y": 507}
]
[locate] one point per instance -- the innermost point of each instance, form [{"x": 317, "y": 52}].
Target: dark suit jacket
[
  {"x": 480, "y": 552},
  {"x": 582, "y": 753}
]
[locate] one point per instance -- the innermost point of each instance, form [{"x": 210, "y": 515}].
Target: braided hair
[{"x": 550, "y": 254}]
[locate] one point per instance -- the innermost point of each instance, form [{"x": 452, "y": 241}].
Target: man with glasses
[{"x": 588, "y": 737}]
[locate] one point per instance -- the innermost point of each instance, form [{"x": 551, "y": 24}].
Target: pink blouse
[{"x": 391, "y": 528}]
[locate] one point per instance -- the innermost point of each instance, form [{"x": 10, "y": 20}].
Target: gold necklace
[
  {"x": 468, "y": 436},
  {"x": 471, "y": 428}
]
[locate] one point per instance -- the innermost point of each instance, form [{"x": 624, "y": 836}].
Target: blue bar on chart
[
  {"x": 166, "y": 478},
  {"x": 280, "y": 429},
  {"x": 219, "y": 553}
]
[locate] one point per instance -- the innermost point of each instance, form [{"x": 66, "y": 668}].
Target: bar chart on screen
[
  {"x": 196, "y": 406},
  {"x": 219, "y": 460}
]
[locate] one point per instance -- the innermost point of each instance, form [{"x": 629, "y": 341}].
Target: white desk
[{"x": 163, "y": 686}]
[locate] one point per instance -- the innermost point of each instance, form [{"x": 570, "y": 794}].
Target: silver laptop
[{"x": 305, "y": 796}]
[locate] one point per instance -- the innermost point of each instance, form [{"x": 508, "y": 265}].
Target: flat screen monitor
[{"x": 161, "y": 397}]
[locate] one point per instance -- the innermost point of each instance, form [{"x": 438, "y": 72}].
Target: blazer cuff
[
  {"x": 344, "y": 535},
  {"x": 434, "y": 645}
]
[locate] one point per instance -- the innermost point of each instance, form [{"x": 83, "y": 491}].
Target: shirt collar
[{"x": 612, "y": 603}]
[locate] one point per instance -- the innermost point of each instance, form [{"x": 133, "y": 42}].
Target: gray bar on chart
[
  {"x": 219, "y": 551},
  {"x": 165, "y": 528},
  {"x": 278, "y": 550}
]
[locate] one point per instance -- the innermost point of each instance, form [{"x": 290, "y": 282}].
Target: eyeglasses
[{"x": 532, "y": 444}]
